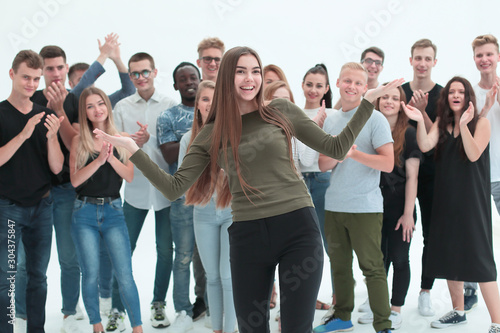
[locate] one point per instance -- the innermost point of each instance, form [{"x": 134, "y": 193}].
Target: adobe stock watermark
[
  {"x": 32, "y": 24},
  {"x": 222, "y": 7},
  {"x": 363, "y": 36}
]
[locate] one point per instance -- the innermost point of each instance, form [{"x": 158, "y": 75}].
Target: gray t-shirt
[{"x": 354, "y": 187}]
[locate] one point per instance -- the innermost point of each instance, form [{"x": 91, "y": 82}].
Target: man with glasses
[
  {"x": 373, "y": 60},
  {"x": 210, "y": 51},
  {"x": 135, "y": 115}
]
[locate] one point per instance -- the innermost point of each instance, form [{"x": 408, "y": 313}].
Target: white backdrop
[{"x": 293, "y": 34}]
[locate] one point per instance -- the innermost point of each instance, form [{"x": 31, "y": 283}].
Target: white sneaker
[
  {"x": 397, "y": 320},
  {"x": 367, "y": 318},
  {"x": 365, "y": 307},
  {"x": 328, "y": 315},
  {"x": 70, "y": 325},
  {"x": 105, "y": 306},
  {"x": 20, "y": 325},
  {"x": 425, "y": 305},
  {"x": 158, "y": 317},
  {"x": 208, "y": 322},
  {"x": 182, "y": 323},
  {"x": 116, "y": 321}
]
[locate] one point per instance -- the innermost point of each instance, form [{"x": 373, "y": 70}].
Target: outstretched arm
[
  {"x": 474, "y": 146},
  {"x": 426, "y": 141}
]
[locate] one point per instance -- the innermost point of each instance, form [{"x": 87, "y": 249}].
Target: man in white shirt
[{"x": 135, "y": 115}]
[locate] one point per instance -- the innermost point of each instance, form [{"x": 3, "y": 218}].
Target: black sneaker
[
  {"x": 199, "y": 309},
  {"x": 470, "y": 300},
  {"x": 449, "y": 319}
]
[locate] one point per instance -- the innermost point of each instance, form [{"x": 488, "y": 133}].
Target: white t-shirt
[{"x": 494, "y": 117}]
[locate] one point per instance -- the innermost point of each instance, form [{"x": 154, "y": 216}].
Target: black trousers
[{"x": 293, "y": 241}]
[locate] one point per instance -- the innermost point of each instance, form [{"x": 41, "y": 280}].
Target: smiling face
[
  {"x": 143, "y": 85},
  {"x": 205, "y": 102},
  {"x": 422, "y": 61},
  {"x": 25, "y": 80},
  {"x": 54, "y": 70},
  {"x": 456, "y": 96},
  {"x": 186, "y": 82},
  {"x": 96, "y": 109},
  {"x": 314, "y": 87},
  {"x": 352, "y": 85},
  {"x": 370, "y": 62},
  {"x": 486, "y": 58},
  {"x": 210, "y": 70},
  {"x": 247, "y": 81},
  {"x": 389, "y": 104}
]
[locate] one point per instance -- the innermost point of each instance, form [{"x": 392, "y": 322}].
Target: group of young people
[{"x": 266, "y": 184}]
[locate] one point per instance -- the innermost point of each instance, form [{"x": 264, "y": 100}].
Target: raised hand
[
  {"x": 56, "y": 94},
  {"x": 407, "y": 223},
  {"x": 110, "y": 42},
  {"x": 320, "y": 117},
  {"x": 52, "y": 123},
  {"x": 142, "y": 135},
  {"x": 372, "y": 94},
  {"x": 468, "y": 115},
  {"x": 412, "y": 112},
  {"x": 30, "y": 125},
  {"x": 104, "y": 153},
  {"x": 118, "y": 140},
  {"x": 419, "y": 100}
]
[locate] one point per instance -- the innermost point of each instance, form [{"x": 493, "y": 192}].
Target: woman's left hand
[
  {"x": 407, "y": 224},
  {"x": 118, "y": 140}
]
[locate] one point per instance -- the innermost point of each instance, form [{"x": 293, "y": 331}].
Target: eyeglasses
[
  {"x": 370, "y": 61},
  {"x": 208, "y": 60},
  {"x": 136, "y": 75}
]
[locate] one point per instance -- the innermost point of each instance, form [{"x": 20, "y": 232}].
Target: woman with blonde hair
[
  {"x": 274, "y": 222},
  {"x": 97, "y": 170}
]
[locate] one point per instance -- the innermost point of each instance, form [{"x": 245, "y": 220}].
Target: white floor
[{"x": 144, "y": 263}]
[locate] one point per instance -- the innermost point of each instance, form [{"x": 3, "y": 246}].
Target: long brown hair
[
  {"x": 446, "y": 117},
  {"x": 272, "y": 87},
  {"x": 86, "y": 144},
  {"x": 199, "y": 192},
  {"x": 227, "y": 125},
  {"x": 398, "y": 133}
]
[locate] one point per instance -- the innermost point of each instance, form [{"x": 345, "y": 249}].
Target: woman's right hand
[
  {"x": 118, "y": 141},
  {"x": 412, "y": 112},
  {"x": 372, "y": 94}
]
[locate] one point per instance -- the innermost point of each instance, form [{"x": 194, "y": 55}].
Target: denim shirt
[{"x": 172, "y": 124}]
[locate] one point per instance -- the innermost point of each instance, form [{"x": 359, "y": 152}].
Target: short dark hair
[
  {"x": 31, "y": 58},
  {"x": 422, "y": 44},
  {"x": 80, "y": 66},
  {"x": 52, "y": 51},
  {"x": 376, "y": 50},
  {"x": 142, "y": 56},
  {"x": 183, "y": 64}
]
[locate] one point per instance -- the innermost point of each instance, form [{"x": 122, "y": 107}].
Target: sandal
[
  {"x": 274, "y": 295},
  {"x": 322, "y": 306}
]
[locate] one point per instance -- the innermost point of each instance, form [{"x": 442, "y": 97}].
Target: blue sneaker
[
  {"x": 385, "y": 331},
  {"x": 334, "y": 325}
]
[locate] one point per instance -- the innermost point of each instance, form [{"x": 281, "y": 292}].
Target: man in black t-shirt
[
  {"x": 29, "y": 153},
  {"x": 64, "y": 104},
  {"x": 423, "y": 94}
]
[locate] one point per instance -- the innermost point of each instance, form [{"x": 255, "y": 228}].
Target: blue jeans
[
  {"x": 91, "y": 222},
  {"x": 317, "y": 183},
  {"x": 34, "y": 223},
  {"x": 134, "y": 217},
  {"x": 212, "y": 239},
  {"x": 181, "y": 219}
]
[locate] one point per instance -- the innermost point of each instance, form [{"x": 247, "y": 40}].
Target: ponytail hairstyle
[
  {"x": 321, "y": 69},
  {"x": 227, "y": 126},
  {"x": 446, "y": 117},
  {"x": 399, "y": 131},
  {"x": 86, "y": 144}
]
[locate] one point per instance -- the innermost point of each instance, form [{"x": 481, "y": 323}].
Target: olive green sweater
[{"x": 264, "y": 158}]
